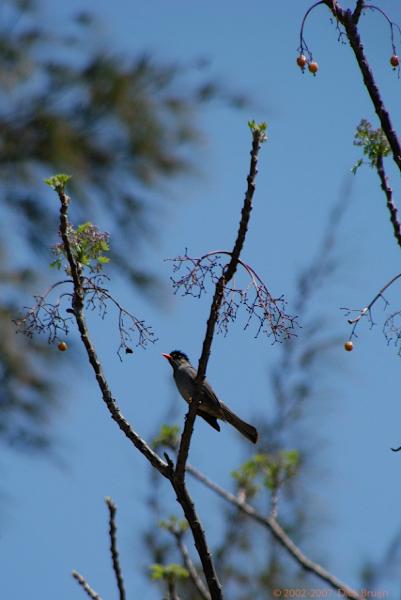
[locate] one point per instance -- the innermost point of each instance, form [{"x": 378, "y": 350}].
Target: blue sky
[{"x": 54, "y": 518}]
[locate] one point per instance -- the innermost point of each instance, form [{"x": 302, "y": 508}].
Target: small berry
[
  {"x": 348, "y": 346},
  {"x": 62, "y": 346},
  {"x": 313, "y": 67},
  {"x": 394, "y": 61},
  {"x": 301, "y": 61}
]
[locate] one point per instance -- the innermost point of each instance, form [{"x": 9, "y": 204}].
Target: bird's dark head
[{"x": 176, "y": 358}]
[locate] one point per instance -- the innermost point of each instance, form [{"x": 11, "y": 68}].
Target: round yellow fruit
[{"x": 348, "y": 346}]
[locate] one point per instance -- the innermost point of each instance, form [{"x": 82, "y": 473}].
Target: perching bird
[{"x": 210, "y": 407}]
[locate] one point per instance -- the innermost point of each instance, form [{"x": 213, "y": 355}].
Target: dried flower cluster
[
  {"x": 392, "y": 330},
  {"x": 55, "y": 317},
  {"x": 268, "y": 312}
]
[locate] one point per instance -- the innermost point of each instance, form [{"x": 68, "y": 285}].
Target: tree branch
[
  {"x": 280, "y": 535},
  {"x": 78, "y": 309},
  {"x": 190, "y": 567},
  {"x": 358, "y": 11},
  {"x": 258, "y": 137},
  {"x": 198, "y": 533},
  {"x": 171, "y": 591},
  {"x": 366, "y": 311},
  {"x": 390, "y": 202},
  {"x": 177, "y": 476},
  {"x": 178, "y": 481},
  {"x": 113, "y": 547},
  {"x": 349, "y": 21},
  {"x": 165, "y": 469},
  {"x": 85, "y": 585}
]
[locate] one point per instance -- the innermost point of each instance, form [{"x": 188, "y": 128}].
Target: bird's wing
[
  {"x": 209, "y": 419},
  {"x": 209, "y": 398}
]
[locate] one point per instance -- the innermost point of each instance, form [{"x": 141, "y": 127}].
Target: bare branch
[
  {"x": 45, "y": 316},
  {"x": 85, "y": 585},
  {"x": 171, "y": 591},
  {"x": 178, "y": 534},
  {"x": 96, "y": 293},
  {"x": 48, "y": 316},
  {"x": 164, "y": 468},
  {"x": 193, "y": 573},
  {"x": 367, "y": 310},
  {"x": 78, "y": 311},
  {"x": 198, "y": 533},
  {"x": 389, "y": 196},
  {"x": 280, "y": 535},
  {"x": 358, "y": 11},
  {"x": 178, "y": 481},
  {"x": 113, "y": 547},
  {"x": 258, "y": 137}
]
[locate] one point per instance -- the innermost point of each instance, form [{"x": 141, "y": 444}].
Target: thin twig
[
  {"x": 303, "y": 46},
  {"x": 260, "y": 305},
  {"x": 389, "y": 21},
  {"x": 113, "y": 547},
  {"x": 85, "y": 585},
  {"x": 190, "y": 567},
  {"x": 367, "y": 309},
  {"x": 280, "y": 535},
  {"x": 171, "y": 591}
]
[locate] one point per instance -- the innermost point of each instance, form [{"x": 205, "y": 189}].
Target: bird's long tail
[{"x": 247, "y": 430}]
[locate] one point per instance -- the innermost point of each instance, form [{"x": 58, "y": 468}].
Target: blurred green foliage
[
  {"x": 168, "y": 436},
  {"x": 271, "y": 469},
  {"x": 123, "y": 127}
]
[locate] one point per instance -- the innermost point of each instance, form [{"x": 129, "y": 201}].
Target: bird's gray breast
[{"x": 185, "y": 380}]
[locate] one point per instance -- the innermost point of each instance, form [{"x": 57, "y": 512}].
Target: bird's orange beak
[{"x": 168, "y": 356}]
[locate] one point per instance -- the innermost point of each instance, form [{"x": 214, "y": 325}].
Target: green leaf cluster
[
  {"x": 170, "y": 572},
  {"x": 271, "y": 470},
  {"x": 167, "y": 437},
  {"x": 374, "y": 143},
  {"x": 174, "y": 525},
  {"x": 260, "y": 128},
  {"x": 88, "y": 245},
  {"x": 58, "y": 182}
]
